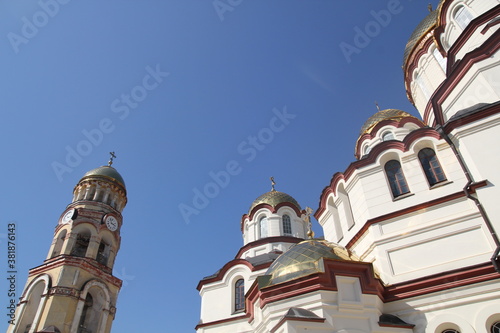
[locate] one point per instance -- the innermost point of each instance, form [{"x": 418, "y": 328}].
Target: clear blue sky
[{"x": 180, "y": 90}]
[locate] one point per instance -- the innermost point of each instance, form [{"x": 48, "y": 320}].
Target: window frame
[
  {"x": 263, "y": 226},
  {"x": 286, "y": 224},
  {"x": 431, "y": 166},
  {"x": 396, "y": 178},
  {"x": 239, "y": 295}
]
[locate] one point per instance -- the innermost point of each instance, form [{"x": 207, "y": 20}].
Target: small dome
[
  {"x": 106, "y": 172},
  {"x": 274, "y": 198},
  {"x": 387, "y": 114},
  {"x": 421, "y": 30},
  {"x": 305, "y": 259}
]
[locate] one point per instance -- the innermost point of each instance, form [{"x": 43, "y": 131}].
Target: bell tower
[{"x": 74, "y": 290}]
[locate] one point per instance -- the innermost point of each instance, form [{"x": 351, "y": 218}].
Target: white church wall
[
  {"x": 472, "y": 308},
  {"x": 481, "y": 84}
]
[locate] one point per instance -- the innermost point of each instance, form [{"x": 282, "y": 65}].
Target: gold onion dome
[
  {"x": 274, "y": 198},
  {"x": 387, "y": 114},
  {"x": 304, "y": 259},
  {"x": 427, "y": 24},
  {"x": 107, "y": 173}
]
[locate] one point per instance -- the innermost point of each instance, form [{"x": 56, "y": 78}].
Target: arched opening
[
  {"x": 103, "y": 253},
  {"x": 92, "y": 311},
  {"x": 59, "y": 243},
  {"x": 387, "y": 136},
  {"x": 81, "y": 244},
  {"x": 495, "y": 328},
  {"x": 396, "y": 178},
  {"x": 31, "y": 306}
]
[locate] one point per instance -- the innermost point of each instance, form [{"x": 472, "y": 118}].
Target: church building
[{"x": 410, "y": 226}]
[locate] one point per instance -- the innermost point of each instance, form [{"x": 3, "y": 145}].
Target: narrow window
[
  {"x": 387, "y": 136},
  {"x": 431, "y": 166},
  {"x": 495, "y": 328},
  {"x": 263, "y": 227},
  {"x": 239, "y": 295},
  {"x": 81, "y": 245},
  {"x": 463, "y": 17},
  {"x": 59, "y": 243},
  {"x": 439, "y": 58},
  {"x": 396, "y": 178},
  {"x": 423, "y": 87},
  {"x": 287, "y": 225},
  {"x": 366, "y": 150},
  {"x": 103, "y": 253}
]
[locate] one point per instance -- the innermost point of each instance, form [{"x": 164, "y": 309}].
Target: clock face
[
  {"x": 111, "y": 222},
  {"x": 70, "y": 214}
]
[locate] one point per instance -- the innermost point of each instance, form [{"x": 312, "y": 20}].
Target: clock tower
[{"x": 74, "y": 290}]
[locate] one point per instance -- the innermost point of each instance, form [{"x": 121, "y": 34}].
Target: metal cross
[
  {"x": 112, "y": 153},
  {"x": 272, "y": 183}
]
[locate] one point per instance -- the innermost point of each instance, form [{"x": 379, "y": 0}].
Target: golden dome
[
  {"x": 387, "y": 114},
  {"x": 304, "y": 259},
  {"x": 106, "y": 172},
  {"x": 274, "y": 198}
]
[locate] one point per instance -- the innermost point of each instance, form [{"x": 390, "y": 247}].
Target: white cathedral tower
[{"x": 411, "y": 226}]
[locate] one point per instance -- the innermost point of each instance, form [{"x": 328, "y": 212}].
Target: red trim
[
  {"x": 374, "y": 131},
  {"x": 485, "y": 113},
  {"x": 222, "y": 321},
  {"x": 402, "y": 212},
  {"x": 368, "y": 282},
  {"x": 226, "y": 267},
  {"x": 489, "y": 47},
  {"x": 439, "y": 282},
  {"x": 424, "y": 44},
  {"x": 268, "y": 240},
  {"x": 371, "y": 159},
  {"x": 467, "y": 34},
  {"x": 90, "y": 265},
  {"x": 271, "y": 209}
]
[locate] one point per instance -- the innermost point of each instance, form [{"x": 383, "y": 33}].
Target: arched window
[
  {"x": 103, "y": 253},
  {"x": 423, "y": 87},
  {"x": 366, "y": 150},
  {"x": 439, "y": 58},
  {"x": 59, "y": 244},
  {"x": 239, "y": 295},
  {"x": 263, "y": 227},
  {"x": 81, "y": 244},
  {"x": 396, "y": 178},
  {"x": 495, "y": 328},
  {"x": 287, "y": 225},
  {"x": 387, "y": 136},
  {"x": 33, "y": 300},
  {"x": 463, "y": 17},
  {"x": 431, "y": 166},
  {"x": 450, "y": 331}
]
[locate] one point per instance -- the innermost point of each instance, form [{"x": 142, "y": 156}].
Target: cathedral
[
  {"x": 410, "y": 226},
  {"x": 410, "y": 241}
]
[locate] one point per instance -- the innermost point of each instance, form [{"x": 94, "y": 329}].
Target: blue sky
[{"x": 185, "y": 91}]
